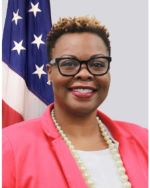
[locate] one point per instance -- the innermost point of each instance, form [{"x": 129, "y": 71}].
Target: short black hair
[{"x": 76, "y": 25}]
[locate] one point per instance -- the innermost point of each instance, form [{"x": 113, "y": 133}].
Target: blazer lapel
[{"x": 68, "y": 164}]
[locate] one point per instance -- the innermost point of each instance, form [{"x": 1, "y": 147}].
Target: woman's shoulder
[
  {"x": 24, "y": 131},
  {"x": 134, "y": 131},
  {"x": 28, "y": 125},
  {"x": 22, "y": 126},
  {"x": 131, "y": 127}
]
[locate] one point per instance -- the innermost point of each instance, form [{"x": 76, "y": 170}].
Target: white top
[{"x": 101, "y": 168}]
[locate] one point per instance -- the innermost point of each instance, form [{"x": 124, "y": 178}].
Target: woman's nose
[{"x": 84, "y": 73}]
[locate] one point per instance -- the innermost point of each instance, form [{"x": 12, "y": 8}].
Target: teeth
[{"x": 81, "y": 90}]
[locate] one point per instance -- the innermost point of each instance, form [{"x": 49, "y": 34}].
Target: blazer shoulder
[
  {"x": 134, "y": 130},
  {"x": 131, "y": 126},
  {"x": 23, "y": 130}
]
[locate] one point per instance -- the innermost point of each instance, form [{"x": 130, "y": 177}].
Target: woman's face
[{"x": 82, "y": 93}]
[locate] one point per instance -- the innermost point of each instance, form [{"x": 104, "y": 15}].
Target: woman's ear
[{"x": 49, "y": 70}]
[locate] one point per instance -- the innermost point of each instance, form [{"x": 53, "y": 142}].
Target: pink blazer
[{"x": 35, "y": 156}]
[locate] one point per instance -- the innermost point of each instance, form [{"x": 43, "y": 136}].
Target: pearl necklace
[{"x": 112, "y": 147}]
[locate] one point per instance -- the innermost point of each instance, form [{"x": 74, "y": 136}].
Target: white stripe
[{"x": 17, "y": 95}]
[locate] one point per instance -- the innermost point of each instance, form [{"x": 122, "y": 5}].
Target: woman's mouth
[{"x": 83, "y": 92}]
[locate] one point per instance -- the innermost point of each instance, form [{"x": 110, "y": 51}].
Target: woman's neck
[
  {"x": 83, "y": 131},
  {"x": 74, "y": 124}
]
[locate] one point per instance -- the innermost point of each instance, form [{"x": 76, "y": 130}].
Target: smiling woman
[
  {"x": 82, "y": 91},
  {"x": 73, "y": 144}
]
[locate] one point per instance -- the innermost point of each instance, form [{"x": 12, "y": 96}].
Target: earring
[{"x": 49, "y": 82}]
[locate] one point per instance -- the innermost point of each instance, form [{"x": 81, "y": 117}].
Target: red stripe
[{"x": 9, "y": 115}]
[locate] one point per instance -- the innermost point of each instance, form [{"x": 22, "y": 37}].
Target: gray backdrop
[{"x": 127, "y": 21}]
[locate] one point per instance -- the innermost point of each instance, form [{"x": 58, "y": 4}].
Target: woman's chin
[{"x": 81, "y": 109}]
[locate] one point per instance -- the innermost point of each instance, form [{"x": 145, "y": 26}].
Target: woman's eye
[
  {"x": 69, "y": 63},
  {"x": 98, "y": 64}
]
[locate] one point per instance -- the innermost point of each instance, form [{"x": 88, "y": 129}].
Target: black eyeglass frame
[{"x": 57, "y": 60}]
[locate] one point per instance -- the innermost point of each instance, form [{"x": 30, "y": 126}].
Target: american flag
[{"x": 26, "y": 92}]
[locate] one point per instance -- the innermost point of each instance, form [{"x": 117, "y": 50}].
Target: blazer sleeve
[{"x": 8, "y": 164}]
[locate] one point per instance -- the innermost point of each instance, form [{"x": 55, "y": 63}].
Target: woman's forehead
[{"x": 79, "y": 43}]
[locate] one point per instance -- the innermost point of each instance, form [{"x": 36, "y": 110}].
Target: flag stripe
[
  {"x": 16, "y": 89},
  {"x": 12, "y": 116}
]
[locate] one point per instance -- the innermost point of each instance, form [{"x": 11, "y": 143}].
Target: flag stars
[
  {"x": 38, "y": 41},
  {"x": 39, "y": 71},
  {"x": 35, "y": 9},
  {"x": 16, "y": 17},
  {"x": 18, "y": 47}
]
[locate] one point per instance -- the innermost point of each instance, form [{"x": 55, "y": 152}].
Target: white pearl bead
[
  {"x": 61, "y": 131},
  {"x": 90, "y": 182},
  {"x": 124, "y": 177},
  {"x": 78, "y": 159},
  {"x": 127, "y": 185},
  {"x": 121, "y": 170},
  {"x": 111, "y": 145},
  {"x": 109, "y": 141},
  {"x": 119, "y": 162},
  {"x": 113, "y": 149},
  {"x": 107, "y": 138},
  {"x": 82, "y": 167},
  {"x": 68, "y": 142},
  {"x": 117, "y": 156},
  {"x": 102, "y": 129},
  {"x": 104, "y": 134},
  {"x": 86, "y": 175},
  {"x": 64, "y": 136},
  {"x": 71, "y": 147},
  {"x": 80, "y": 162},
  {"x": 58, "y": 128}
]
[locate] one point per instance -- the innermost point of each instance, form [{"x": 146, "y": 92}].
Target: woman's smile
[{"x": 82, "y": 91}]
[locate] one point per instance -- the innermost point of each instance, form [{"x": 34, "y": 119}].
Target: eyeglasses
[{"x": 70, "y": 66}]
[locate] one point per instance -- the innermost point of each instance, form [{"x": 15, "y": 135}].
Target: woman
[{"x": 73, "y": 144}]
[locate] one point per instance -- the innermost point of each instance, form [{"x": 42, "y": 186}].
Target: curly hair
[{"x": 76, "y": 25}]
